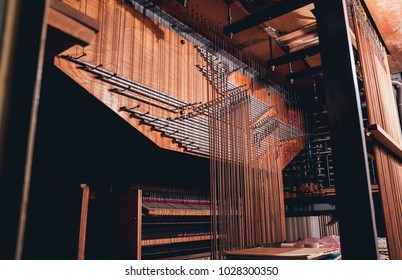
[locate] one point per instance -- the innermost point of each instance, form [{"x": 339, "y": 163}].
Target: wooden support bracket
[{"x": 385, "y": 139}]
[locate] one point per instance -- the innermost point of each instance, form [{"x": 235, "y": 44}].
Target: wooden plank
[
  {"x": 300, "y": 33},
  {"x": 385, "y": 139},
  {"x": 83, "y": 222},
  {"x": 70, "y": 26}
]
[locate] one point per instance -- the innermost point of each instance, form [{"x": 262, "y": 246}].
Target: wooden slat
[{"x": 385, "y": 139}]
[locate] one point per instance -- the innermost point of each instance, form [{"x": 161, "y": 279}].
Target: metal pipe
[{"x": 127, "y": 84}]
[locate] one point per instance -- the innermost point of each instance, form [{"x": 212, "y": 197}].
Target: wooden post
[
  {"x": 138, "y": 218},
  {"x": 354, "y": 203},
  {"x": 83, "y": 222}
]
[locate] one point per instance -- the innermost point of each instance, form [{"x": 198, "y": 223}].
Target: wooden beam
[
  {"x": 78, "y": 16},
  {"x": 385, "y": 139},
  {"x": 83, "y": 222},
  {"x": 265, "y": 15},
  {"x": 297, "y": 55},
  {"x": 72, "y": 22},
  {"x": 305, "y": 73},
  {"x": 300, "y": 33},
  {"x": 251, "y": 43},
  {"x": 354, "y": 202}
]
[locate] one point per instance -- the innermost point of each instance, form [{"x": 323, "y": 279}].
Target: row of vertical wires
[
  {"x": 139, "y": 50},
  {"x": 245, "y": 171},
  {"x": 382, "y": 111}
]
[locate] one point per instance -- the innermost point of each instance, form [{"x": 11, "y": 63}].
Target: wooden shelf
[{"x": 163, "y": 241}]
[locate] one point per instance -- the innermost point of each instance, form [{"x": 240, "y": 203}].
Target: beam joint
[{"x": 264, "y": 15}]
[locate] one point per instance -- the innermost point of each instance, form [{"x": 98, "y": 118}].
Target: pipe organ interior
[{"x": 208, "y": 130}]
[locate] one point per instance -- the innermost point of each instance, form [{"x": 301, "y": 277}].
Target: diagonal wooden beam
[
  {"x": 297, "y": 55},
  {"x": 310, "y": 29},
  {"x": 266, "y": 14}
]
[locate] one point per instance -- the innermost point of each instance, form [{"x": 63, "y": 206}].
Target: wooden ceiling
[
  {"x": 387, "y": 15},
  {"x": 296, "y": 30}
]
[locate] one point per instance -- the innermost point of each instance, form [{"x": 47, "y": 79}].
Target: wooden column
[
  {"x": 21, "y": 60},
  {"x": 354, "y": 201}
]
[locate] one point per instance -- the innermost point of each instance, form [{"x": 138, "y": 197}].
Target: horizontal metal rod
[{"x": 114, "y": 76}]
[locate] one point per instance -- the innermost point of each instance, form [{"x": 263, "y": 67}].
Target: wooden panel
[
  {"x": 129, "y": 223},
  {"x": 383, "y": 115}
]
